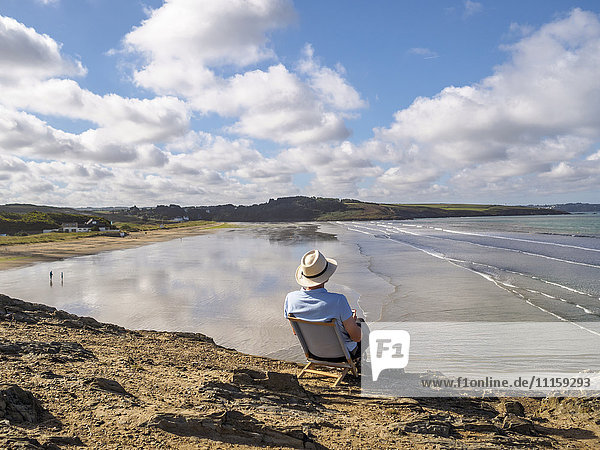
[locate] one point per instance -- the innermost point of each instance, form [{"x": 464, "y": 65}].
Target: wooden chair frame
[{"x": 313, "y": 361}]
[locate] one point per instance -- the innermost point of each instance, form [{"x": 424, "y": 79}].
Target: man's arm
[{"x": 352, "y": 328}]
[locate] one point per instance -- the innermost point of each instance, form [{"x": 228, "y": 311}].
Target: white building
[{"x": 74, "y": 227}]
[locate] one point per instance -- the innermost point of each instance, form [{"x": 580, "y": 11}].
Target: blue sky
[{"x": 202, "y": 102}]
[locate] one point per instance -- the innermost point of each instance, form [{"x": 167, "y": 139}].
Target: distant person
[
  {"x": 62, "y": 277},
  {"x": 314, "y": 303},
  {"x": 50, "y": 275}
]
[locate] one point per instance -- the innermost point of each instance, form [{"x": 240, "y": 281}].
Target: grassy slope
[
  {"x": 374, "y": 211},
  {"x": 54, "y": 237}
]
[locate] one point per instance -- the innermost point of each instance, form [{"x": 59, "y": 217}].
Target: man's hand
[{"x": 352, "y": 328}]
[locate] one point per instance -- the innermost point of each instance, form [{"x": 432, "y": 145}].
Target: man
[{"x": 313, "y": 302}]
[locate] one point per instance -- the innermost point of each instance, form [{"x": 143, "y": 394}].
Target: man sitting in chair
[{"x": 314, "y": 303}]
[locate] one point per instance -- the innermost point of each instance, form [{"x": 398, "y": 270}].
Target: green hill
[
  {"x": 297, "y": 209},
  {"x": 287, "y": 209}
]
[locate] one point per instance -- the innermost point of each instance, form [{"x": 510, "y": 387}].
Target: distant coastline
[
  {"x": 12, "y": 256},
  {"x": 300, "y": 208},
  {"x": 292, "y": 209}
]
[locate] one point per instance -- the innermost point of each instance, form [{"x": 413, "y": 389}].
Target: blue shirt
[{"x": 318, "y": 305}]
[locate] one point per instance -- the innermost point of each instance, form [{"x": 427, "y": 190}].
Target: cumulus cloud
[
  {"x": 276, "y": 103},
  {"x": 210, "y": 33},
  {"x": 24, "y": 53},
  {"x": 126, "y": 128},
  {"x": 127, "y": 120},
  {"x": 178, "y": 60},
  {"x": 531, "y": 126},
  {"x": 329, "y": 84},
  {"x": 532, "y": 116}
]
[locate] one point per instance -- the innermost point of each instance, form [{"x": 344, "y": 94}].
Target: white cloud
[
  {"x": 126, "y": 128},
  {"x": 529, "y": 127},
  {"x": 536, "y": 113},
  {"x": 337, "y": 169},
  {"x": 275, "y": 104},
  {"x": 209, "y": 33},
  {"x": 520, "y": 30},
  {"x": 472, "y": 8},
  {"x": 126, "y": 120},
  {"x": 25, "y": 54},
  {"x": 424, "y": 52},
  {"x": 329, "y": 84},
  {"x": 179, "y": 59}
]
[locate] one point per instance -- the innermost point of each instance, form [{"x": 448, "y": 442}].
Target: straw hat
[{"x": 314, "y": 269}]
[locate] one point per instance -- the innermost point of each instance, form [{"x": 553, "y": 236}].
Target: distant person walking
[{"x": 50, "y": 275}]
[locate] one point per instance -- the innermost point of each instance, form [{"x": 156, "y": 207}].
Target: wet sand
[{"x": 12, "y": 256}]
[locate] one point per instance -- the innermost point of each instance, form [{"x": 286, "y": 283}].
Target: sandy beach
[
  {"x": 12, "y": 256},
  {"x": 69, "y": 381}
]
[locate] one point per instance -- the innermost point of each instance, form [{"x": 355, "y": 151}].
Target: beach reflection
[{"x": 229, "y": 285}]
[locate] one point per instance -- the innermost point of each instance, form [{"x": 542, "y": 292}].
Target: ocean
[{"x": 230, "y": 284}]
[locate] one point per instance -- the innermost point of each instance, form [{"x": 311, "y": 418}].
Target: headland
[{"x": 69, "y": 381}]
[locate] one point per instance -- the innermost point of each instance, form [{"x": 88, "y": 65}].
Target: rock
[
  {"x": 9, "y": 349},
  {"x": 436, "y": 426},
  {"x": 109, "y": 385},
  {"x": 20, "y": 317},
  {"x": 512, "y": 407},
  {"x": 65, "y": 440},
  {"x": 193, "y": 336},
  {"x": 275, "y": 381},
  {"x": 517, "y": 424},
  {"x": 480, "y": 427},
  {"x": 22, "y": 443},
  {"x": 406, "y": 401},
  {"x": 248, "y": 376},
  {"x": 62, "y": 351},
  {"x": 242, "y": 378},
  {"x": 32, "y": 313},
  {"x": 48, "y": 374},
  {"x": 231, "y": 427},
  {"x": 90, "y": 322},
  {"x": 19, "y": 406},
  {"x": 222, "y": 390},
  {"x": 282, "y": 382}
]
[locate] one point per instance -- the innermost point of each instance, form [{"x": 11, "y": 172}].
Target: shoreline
[
  {"x": 19, "y": 255},
  {"x": 73, "y": 381}
]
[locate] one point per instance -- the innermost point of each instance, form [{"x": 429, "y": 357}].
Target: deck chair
[{"x": 323, "y": 346}]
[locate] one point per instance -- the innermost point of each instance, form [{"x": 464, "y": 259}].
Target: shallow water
[{"x": 231, "y": 284}]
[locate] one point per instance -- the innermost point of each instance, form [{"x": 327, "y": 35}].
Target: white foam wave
[
  {"x": 523, "y": 252},
  {"x": 531, "y": 241},
  {"x": 503, "y": 285}
]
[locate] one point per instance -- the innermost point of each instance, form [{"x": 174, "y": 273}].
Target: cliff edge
[{"x": 68, "y": 381}]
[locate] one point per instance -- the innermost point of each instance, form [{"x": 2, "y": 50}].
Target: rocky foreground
[{"x": 69, "y": 381}]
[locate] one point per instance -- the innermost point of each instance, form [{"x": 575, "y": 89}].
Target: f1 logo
[{"x": 389, "y": 350}]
